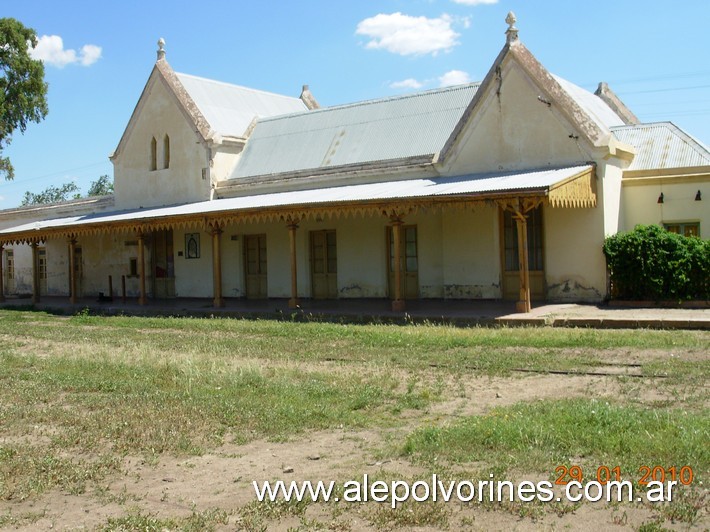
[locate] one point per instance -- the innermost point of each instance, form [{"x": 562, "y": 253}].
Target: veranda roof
[{"x": 562, "y": 187}]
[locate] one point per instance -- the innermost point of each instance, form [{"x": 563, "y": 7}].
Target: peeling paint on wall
[
  {"x": 472, "y": 291},
  {"x": 356, "y": 290},
  {"x": 572, "y": 290},
  {"x": 431, "y": 291}
]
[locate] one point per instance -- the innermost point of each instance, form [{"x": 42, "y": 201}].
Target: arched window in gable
[
  {"x": 166, "y": 151},
  {"x": 153, "y": 154}
]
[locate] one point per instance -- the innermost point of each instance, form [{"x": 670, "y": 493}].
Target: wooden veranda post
[
  {"x": 35, "y": 273},
  {"x": 398, "y": 304},
  {"x": 292, "y": 226},
  {"x": 218, "y": 300},
  {"x": 523, "y": 304},
  {"x": 72, "y": 270},
  {"x": 2, "y": 274},
  {"x": 141, "y": 268}
]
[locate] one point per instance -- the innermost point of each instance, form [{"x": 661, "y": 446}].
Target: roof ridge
[
  {"x": 641, "y": 124},
  {"x": 694, "y": 143},
  {"x": 234, "y": 85},
  {"x": 374, "y": 101}
]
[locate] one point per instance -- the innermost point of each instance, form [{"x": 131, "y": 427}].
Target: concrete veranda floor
[{"x": 366, "y": 310}]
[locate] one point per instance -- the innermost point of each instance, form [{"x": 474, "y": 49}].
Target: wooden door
[
  {"x": 42, "y": 270},
  {"x": 163, "y": 265},
  {"x": 409, "y": 261},
  {"x": 255, "y": 266},
  {"x": 9, "y": 271},
  {"x": 324, "y": 264},
  {"x": 511, "y": 272},
  {"x": 78, "y": 269}
]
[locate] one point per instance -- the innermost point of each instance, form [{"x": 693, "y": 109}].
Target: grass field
[{"x": 125, "y": 423}]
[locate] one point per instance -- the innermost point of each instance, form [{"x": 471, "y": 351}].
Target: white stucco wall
[
  {"x": 575, "y": 268},
  {"x": 362, "y": 258},
  {"x": 134, "y": 183},
  {"x": 640, "y": 203},
  {"x": 23, "y": 270},
  {"x": 609, "y": 174},
  {"x": 106, "y": 255},
  {"x": 471, "y": 253},
  {"x": 193, "y": 277},
  {"x": 515, "y": 131}
]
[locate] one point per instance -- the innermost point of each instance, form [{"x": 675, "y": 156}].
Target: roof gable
[
  {"x": 163, "y": 73},
  {"x": 588, "y": 114},
  {"x": 213, "y": 108}
]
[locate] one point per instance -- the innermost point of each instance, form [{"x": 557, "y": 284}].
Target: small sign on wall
[{"x": 192, "y": 245}]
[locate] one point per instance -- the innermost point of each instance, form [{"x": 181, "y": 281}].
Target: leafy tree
[
  {"x": 101, "y": 187},
  {"x": 52, "y": 194},
  {"x": 23, "y": 90},
  {"x": 69, "y": 191}
]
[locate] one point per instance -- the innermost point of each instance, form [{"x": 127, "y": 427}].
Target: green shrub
[{"x": 650, "y": 263}]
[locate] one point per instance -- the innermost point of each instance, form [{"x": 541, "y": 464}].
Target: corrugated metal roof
[
  {"x": 662, "y": 145},
  {"x": 390, "y": 190},
  {"x": 230, "y": 109},
  {"x": 595, "y": 107},
  {"x": 377, "y": 130}
]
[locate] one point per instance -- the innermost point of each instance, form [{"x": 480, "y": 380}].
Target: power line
[
  {"x": 666, "y": 102},
  {"x": 650, "y": 78},
  {"x": 670, "y": 89},
  {"x": 58, "y": 172}
]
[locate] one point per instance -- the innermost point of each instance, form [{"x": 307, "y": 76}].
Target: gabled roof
[
  {"x": 596, "y": 108},
  {"x": 213, "y": 108},
  {"x": 662, "y": 145},
  {"x": 230, "y": 109},
  {"x": 395, "y": 128},
  {"x": 588, "y": 113}
]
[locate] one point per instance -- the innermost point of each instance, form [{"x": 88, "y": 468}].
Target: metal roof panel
[
  {"x": 230, "y": 109},
  {"x": 376, "y": 130},
  {"x": 662, "y": 145},
  {"x": 592, "y": 104},
  {"x": 415, "y": 188}
]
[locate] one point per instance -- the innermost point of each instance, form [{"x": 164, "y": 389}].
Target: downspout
[{"x": 207, "y": 172}]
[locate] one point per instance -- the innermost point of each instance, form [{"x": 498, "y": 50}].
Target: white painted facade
[{"x": 521, "y": 118}]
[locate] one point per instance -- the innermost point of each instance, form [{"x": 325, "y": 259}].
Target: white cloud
[
  {"x": 409, "y": 83},
  {"x": 406, "y": 35},
  {"x": 454, "y": 77},
  {"x": 50, "y": 50},
  {"x": 90, "y": 53},
  {"x": 475, "y": 2}
]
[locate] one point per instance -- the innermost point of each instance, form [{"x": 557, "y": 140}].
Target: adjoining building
[{"x": 503, "y": 189}]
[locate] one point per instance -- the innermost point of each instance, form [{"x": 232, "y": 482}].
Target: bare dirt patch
[{"x": 169, "y": 487}]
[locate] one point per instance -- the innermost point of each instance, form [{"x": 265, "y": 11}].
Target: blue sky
[{"x": 98, "y": 56}]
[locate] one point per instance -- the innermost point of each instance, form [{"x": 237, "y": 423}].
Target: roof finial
[
  {"x": 512, "y": 32},
  {"x": 161, "y": 49}
]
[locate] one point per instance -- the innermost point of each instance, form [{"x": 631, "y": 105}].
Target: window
[
  {"x": 133, "y": 267},
  {"x": 166, "y": 152},
  {"x": 42, "y": 263},
  {"x": 10, "y": 264},
  {"x": 10, "y": 271},
  {"x": 685, "y": 228},
  {"x": 153, "y": 154}
]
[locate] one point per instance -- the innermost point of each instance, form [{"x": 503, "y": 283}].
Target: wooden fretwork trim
[
  {"x": 562, "y": 195},
  {"x": 579, "y": 191}
]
